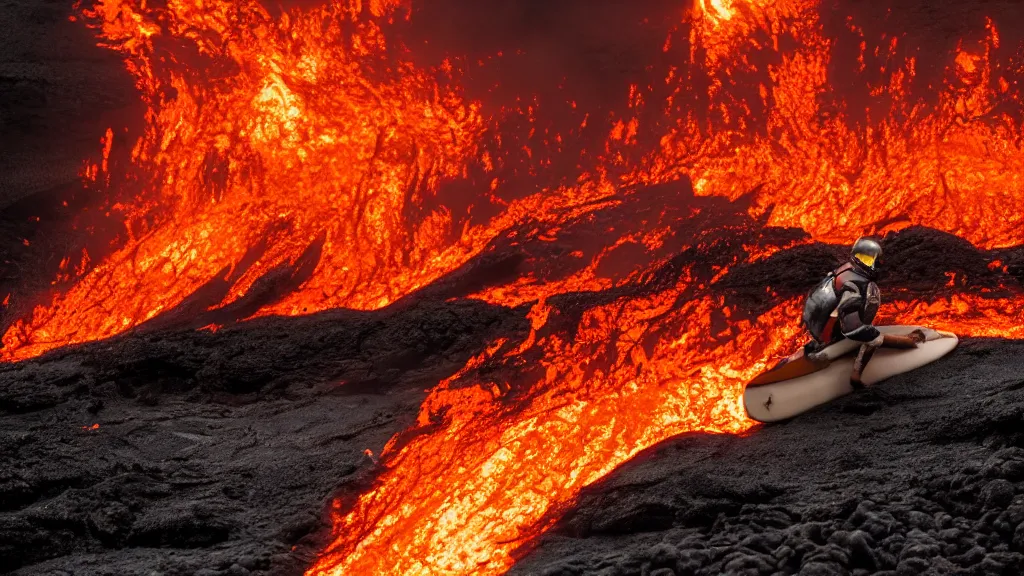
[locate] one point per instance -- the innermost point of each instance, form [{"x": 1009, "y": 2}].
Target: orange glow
[
  {"x": 493, "y": 461},
  {"x": 303, "y": 149},
  {"x": 299, "y": 161},
  {"x": 998, "y": 265},
  {"x": 494, "y": 458},
  {"x": 528, "y": 288},
  {"x": 90, "y": 428},
  {"x": 954, "y": 165},
  {"x": 964, "y": 314},
  {"x": 756, "y": 253},
  {"x": 308, "y": 133},
  {"x": 507, "y": 453}
]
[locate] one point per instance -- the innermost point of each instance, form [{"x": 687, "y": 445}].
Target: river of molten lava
[
  {"x": 269, "y": 138},
  {"x": 490, "y": 469},
  {"x": 303, "y": 148},
  {"x": 267, "y": 141},
  {"x": 492, "y": 463}
]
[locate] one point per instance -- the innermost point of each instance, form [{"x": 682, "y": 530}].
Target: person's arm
[
  {"x": 852, "y": 323},
  {"x": 851, "y": 303}
]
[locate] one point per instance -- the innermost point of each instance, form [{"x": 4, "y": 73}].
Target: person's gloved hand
[
  {"x": 898, "y": 341},
  {"x": 918, "y": 336}
]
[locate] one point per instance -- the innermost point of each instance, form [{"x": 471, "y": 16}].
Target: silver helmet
[{"x": 866, "y": 252}]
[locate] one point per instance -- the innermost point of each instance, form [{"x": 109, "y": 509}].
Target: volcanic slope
[
  {"x": 199, "y": 452},
  {"x": 217, "y": 450},
  {"x": 923, "y": 474}
]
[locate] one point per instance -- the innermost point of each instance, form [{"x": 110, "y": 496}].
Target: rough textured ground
[
  {"x": 213, "y": 451},
  {"x": 924, "y": 474},
  {"x": 216, "y": 453}
]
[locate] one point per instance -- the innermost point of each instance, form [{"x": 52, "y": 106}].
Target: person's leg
[
  {"x": 863, "y": 357},
  {"x": 867, "y": 350}
]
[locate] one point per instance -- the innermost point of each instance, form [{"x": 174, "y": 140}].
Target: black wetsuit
[{"x": 858, "y": 299}]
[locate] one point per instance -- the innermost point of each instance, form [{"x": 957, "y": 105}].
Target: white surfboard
[{"x": 785, "y": 399}]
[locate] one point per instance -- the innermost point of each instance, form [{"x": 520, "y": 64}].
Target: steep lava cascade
[
  {"x": 507, "y": 443},
  {"x": 298, "y": 147},
  {"x": 839, "y": 161},
  {"x": 459, "y": 499}
]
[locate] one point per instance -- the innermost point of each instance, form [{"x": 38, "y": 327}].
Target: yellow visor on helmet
[{"x": 867, "y": 259}]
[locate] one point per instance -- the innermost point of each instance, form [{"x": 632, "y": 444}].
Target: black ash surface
[{"x": 215, "y": 452}]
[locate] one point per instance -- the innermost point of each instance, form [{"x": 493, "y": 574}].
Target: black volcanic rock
[
  {"x": 182, "y": 526},
  {"x": 930, "y": 480},
  {"x": 187, "y": 451}
]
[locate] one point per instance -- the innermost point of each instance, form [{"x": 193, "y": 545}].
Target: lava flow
[
  {"x": 839, "y": 165},
  {"x": 272, "y": 146},
  {"x": 303, "y": 150},
  {"x": 496, "y": 460},
  {"x": 505, "y": 445},
  {"x": 289, "y": 160}
]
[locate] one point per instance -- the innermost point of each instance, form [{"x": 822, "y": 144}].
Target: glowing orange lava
[
  {"x": 303, "y": 149},
  {"x": 494, "y": 461},
  {"x": 298, "y": 135},
  {"x": 955, "y": 165},
  {"x": 490, "y": 467},
  {"x": 296, "y": 149},
  {"x": 498, "y": 466}
]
